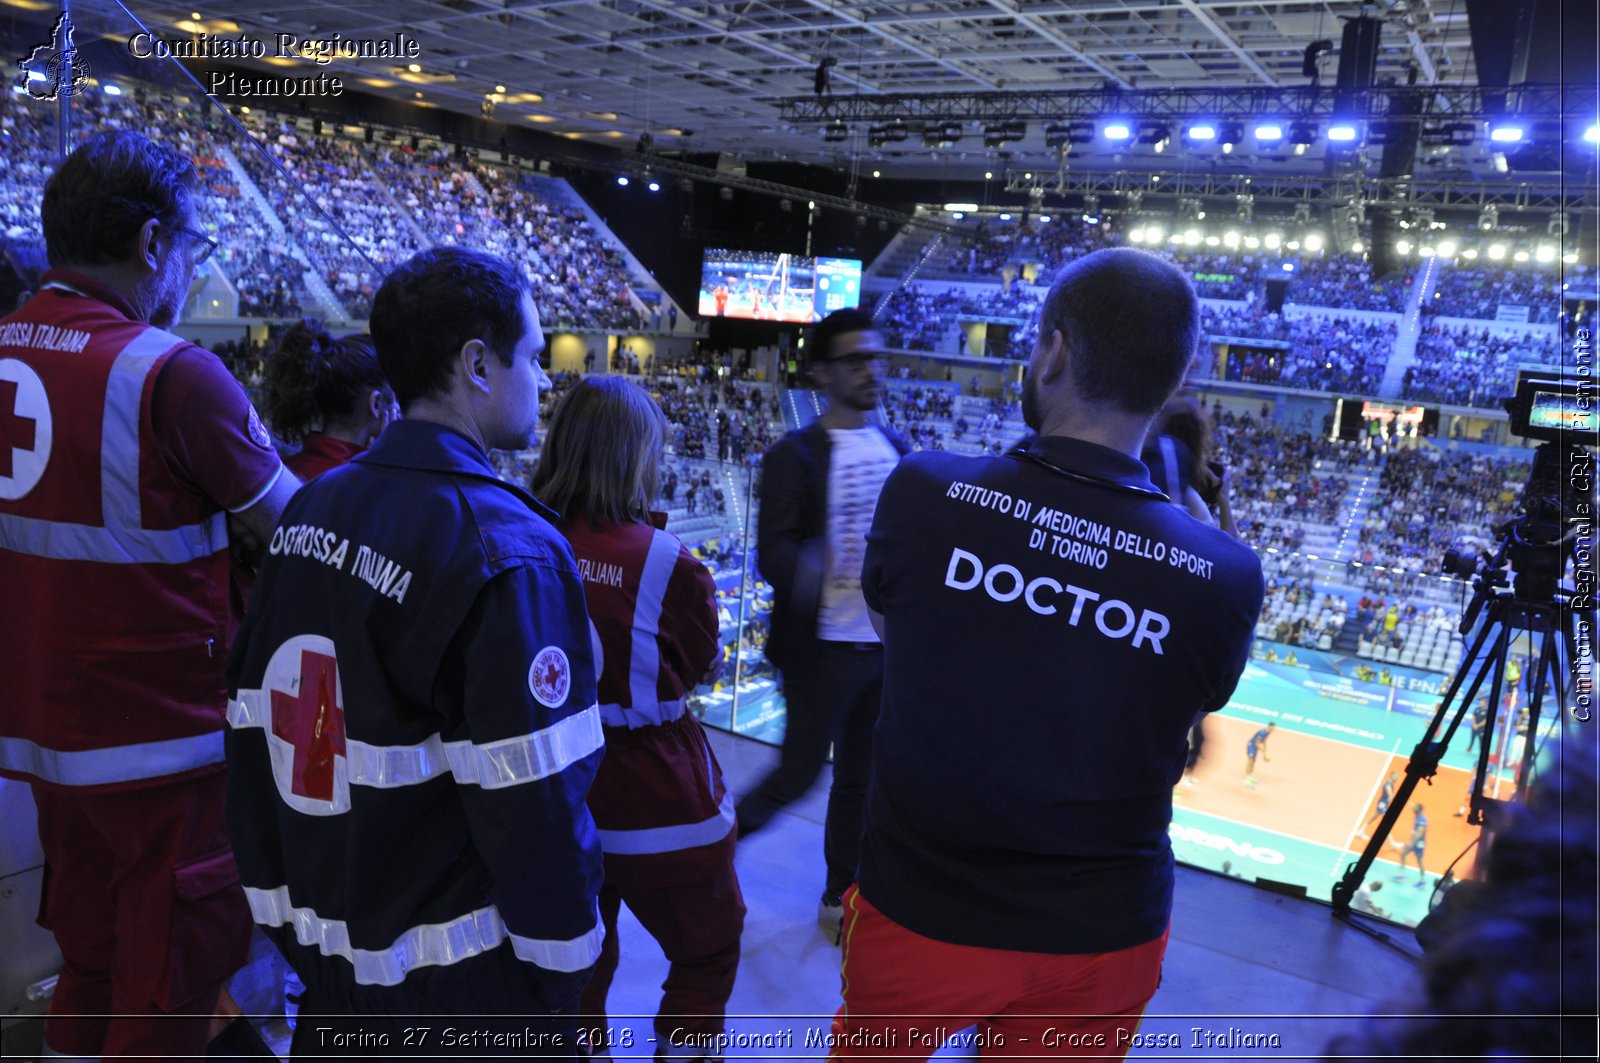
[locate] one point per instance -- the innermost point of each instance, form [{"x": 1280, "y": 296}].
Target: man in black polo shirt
[{"x": 1051, "y": 627}]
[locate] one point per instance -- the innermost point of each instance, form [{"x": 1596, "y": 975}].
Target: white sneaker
[{"x": 830, "y": 917}]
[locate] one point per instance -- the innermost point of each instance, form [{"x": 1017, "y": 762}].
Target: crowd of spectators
[
  {"x": 924, "y": 416},
  {"x": 1294, "y": 614},
  {"x": 346, "y": 195},
  {"x": 1281, "y": 480},
  {"x": 1473, "y": 365},
  {"x": 1221, "y": 276},
  {"x": 578, "y": 278},
  {"x": 1429, "y": 500},
  {"x": 1480, "y": 290},
  {"x": 990, "y": 246},
  {"x": 1323, "y": 353},
  {"x": 1344, "y": 281}
]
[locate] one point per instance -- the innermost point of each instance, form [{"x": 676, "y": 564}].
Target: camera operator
[{"x": 1051, "y": 627}]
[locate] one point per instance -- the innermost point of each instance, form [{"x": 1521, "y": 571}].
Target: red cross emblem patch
[
  {"x": 550, "y": 677},
  {"x": 26, "y": 429},
  {"x": 307, "y": 743}
]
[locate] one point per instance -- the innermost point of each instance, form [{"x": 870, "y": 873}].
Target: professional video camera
[
  {"x": 1518, "y": 593},
  {"x": 1558, "y": 501}
]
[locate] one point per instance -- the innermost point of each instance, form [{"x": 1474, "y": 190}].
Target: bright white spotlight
[
  {"x": 1271, "y": 132},
  {"x": 111, "y": 90},
  {"x": 623, "y": 181},
  {"x": 1506, "y": 134},
  {"x": 1592, "y": 134},
  {"x": 1313, "y": 241},
  {"x": 1447, "y": 248},
  {"x": 1497, "y": 252},
  {"x": 1288, "y": 267},
  {"x": 1403, "y": 247},
  {"x": 1203, "y": 131},
  {"x": 655, "y": 186},
  {"x": 1118, "y": 131},
  {"x": 1342, "y": 132},
  {"x": 1273, "y": 241},
  {"x": 1546, "y": 253},
  {"x": 1044, "y": 219},
  {"x": 1005, "y": 217},
  {"x": 1357, "y": 248}
]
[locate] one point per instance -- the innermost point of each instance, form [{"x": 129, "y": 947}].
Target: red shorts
[{"x": 906, "y": 995}]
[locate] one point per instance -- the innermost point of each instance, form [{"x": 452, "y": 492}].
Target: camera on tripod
[
  {"x": 1518, "y": 593},
  {"x": 1560, "y": 412}
]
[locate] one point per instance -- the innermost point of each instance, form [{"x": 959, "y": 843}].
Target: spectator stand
[{"x": 1474, "y": 364}]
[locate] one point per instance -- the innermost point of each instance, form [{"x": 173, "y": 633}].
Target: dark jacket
[{"x": 792, "y": 536}]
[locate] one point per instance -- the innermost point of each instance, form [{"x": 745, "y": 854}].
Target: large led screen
[{"x": 768, "y": 286}]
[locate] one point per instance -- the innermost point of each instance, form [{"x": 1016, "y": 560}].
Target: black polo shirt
[{"x": 1050, "y": 635}]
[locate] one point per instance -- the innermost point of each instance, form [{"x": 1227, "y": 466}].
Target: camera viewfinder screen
[{"x": 1555, "y": 410}]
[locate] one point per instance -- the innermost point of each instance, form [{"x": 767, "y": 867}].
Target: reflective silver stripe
[
  {"x": 529, "y": 757},
  {"x": 644, "y": 664},
  {"x": 565, "y": 956},
  {"x": 492, "y": 765},
  {"x": 430, "y": 945},
  {"x": 122, "y": 541},
  {"x": 119, "y": 430},
  {"x": 80, "y": 542},
  {"x": 115, "y": 764},
  {"x": 671, "y": 839},
  {"x": 635, "y": 716}
]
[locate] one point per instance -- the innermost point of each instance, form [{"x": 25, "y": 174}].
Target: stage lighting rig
[
  {"x": 1059, "y": 134},
  {"x": 1153, "y": 133},
  {"x": 836, "y": 132},
  {"x": 1000, "y": 134}
]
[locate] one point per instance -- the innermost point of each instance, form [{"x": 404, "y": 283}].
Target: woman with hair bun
[
  {"x": 327, "y": 395},
  {"x": 665, "y": 816}
]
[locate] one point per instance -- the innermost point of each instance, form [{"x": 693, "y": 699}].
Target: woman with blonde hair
[{"x": 665, "y": 817}]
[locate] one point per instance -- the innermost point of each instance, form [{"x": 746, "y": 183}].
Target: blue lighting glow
[
  {"x": 1270, "y": 131},
  {"x": 1203, "y": 131},
  {"x": 623, "y": 181},
  {"x": 1288, "y": 267},
  {"x": 655, "y": 186},
  {"x": 1342, "y": 132},
  {"x": 1505, "y": 134},
  {"x": 1592, "y": 135},
  {"x": 1118, "y": 131},
  {"x": 112, "y": 90}
]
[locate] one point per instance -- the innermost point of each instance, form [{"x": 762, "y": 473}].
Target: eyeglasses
[
  {"x": 204, "y": 244},
  {"x": 858, "y": 360}
]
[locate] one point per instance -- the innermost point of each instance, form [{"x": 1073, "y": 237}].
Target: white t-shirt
[{"x": 861, "y": 460}]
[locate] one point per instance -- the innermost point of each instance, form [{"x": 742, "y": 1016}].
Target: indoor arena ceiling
[{"x": 712, "y": 76}]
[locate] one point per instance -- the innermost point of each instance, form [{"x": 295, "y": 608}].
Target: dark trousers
[
  {"x": 142, "y": 894},
  {"x": 834, "y": 699},
  {"x": 697, "y": 921}
]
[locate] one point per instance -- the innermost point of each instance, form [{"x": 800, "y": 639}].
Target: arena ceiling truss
[{"x": 733, "y": 78}]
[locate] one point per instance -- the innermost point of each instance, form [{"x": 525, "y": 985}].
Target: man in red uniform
[{"x": 123, "y": 449}]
